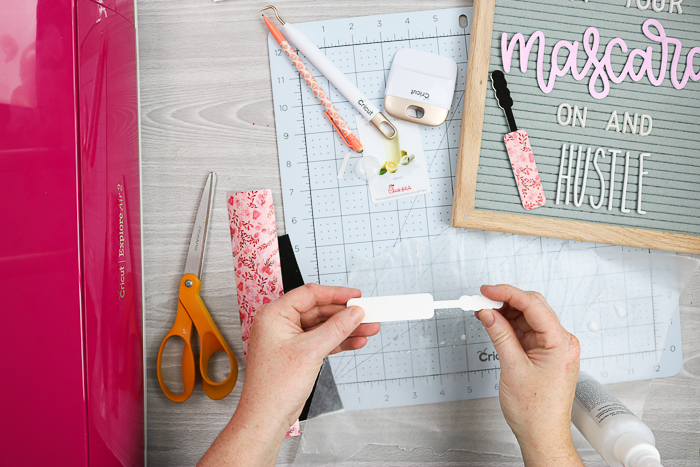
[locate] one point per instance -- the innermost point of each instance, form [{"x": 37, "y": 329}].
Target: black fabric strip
[
  {"x": 291, "y": 275},
  {"x": 291, "y": 279}
]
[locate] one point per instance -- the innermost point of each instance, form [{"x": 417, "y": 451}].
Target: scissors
[{"x": 191, "y": 310}]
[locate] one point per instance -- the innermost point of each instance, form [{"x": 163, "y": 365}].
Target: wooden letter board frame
[{"x": 464, "y": 212}]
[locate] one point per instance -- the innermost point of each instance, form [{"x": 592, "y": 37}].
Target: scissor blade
[{"x": 195, "y": 255}]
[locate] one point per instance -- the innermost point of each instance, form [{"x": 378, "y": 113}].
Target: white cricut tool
[
  {"x": 415, "y": 306},
  {"x": 420, "y": 87}
]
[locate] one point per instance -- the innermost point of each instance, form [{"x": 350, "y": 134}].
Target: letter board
[{"x": 623, "y": 83}]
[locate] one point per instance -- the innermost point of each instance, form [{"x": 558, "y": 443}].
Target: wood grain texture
[
  {"x": 574, "y": 230},
  {"x": 473, "y": 111},
  {"x": 206, "y": 103}
]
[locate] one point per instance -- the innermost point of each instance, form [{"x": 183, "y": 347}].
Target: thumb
[
  {"x": 336, "y": 329},
  {"x": 503, "y": 337}
]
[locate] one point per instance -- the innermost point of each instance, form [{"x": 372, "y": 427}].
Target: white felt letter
[
  {"x": 660, "y": 8},
  {"x": 639, "y": 183},
  {"x": 639, "y": 4},
  {"x": 677, "y": 4},
  {"x": 628, "y": 119},
  {"x": 611, "y": 187},
  {"x": 624, "y": 182},
  {"x": 599, "y": 152},
  {"x": 578, "y": 200},
  {"x": 561, "y": 173},
  {"x": 581, "y": 118},
  {"x": 613, "y": 117},
  {"x": 568, "y": 114},
  {"x": 646, "y": 118}
]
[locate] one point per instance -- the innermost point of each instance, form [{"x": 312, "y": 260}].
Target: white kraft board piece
[{"x": 415, "y": 306}]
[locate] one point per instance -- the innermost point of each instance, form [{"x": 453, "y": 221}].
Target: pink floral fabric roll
[
  {"x": 522, "y": 160},
  {"x": 255, "y": 257},
  {"x": 255, "y": 254}
]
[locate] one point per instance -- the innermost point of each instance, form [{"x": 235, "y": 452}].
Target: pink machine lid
[
  {"x": 72, "y": 394},
  {"x": 43, "y": 392},
  {"x": 110, "y": 189}
]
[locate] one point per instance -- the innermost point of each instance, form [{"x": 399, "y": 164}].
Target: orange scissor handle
[
  {"x": 183, "y": 329},
  {"x": 210, "y": 339}
]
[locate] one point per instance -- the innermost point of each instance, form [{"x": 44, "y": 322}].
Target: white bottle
[{"x": 621, "y": 439}]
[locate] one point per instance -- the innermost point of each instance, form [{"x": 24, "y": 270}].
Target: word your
[
  {"x": 629, "y": 124},
  {"x": 600, "y": 152},
  {"x": 658, "y": 5},
  {"x": 602, "y": 68}
]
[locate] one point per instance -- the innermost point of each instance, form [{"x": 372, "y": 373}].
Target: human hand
[
  {"x": 288, "y": 342},
  {"x": 539, "y": 368}
]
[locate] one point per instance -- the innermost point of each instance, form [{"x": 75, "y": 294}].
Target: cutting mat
[
  {"x": 333, "y": 225},
  {"x": 622, "y": 305}
]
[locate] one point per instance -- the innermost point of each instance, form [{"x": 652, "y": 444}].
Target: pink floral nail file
[
  {"x": 255, "y": 257},
  {"x": 522, "y": 160},
  {"x": 525, "y": 170}
]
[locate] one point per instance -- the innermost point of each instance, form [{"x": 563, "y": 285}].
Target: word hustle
[{"x": 572, "y": 177}]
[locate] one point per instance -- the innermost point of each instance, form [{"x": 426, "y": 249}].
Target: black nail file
[{"x": 522, "y": 159}]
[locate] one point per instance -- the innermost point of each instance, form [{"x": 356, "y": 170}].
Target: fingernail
[
  {"x": 487, "y": 318},
  {"x": 357, "y": 314}
]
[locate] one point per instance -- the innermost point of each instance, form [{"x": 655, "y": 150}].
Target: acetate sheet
[{"x": 621, "y": 303}]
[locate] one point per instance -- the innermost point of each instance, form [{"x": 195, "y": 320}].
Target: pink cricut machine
[{"x": 70, "y": 249}]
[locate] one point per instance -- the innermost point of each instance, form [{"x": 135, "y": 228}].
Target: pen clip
[
  {"x": 337, "y": 129},
  {"x": 380, "y": 121}
]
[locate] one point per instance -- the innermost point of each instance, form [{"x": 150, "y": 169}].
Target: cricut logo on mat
[
  {"x": 486, "y": 356},
  {"x": 482, "y": 356}
]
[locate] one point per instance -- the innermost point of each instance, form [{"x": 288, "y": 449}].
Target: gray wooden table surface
[{"x": 206, "y": 104}]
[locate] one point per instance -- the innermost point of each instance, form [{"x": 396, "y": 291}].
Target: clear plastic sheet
[{"x": 621, "y": 303}]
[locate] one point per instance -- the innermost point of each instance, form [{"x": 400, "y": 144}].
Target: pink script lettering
[
  {"x": 393, "y": 189},
  {"x": 602, "y": 69}
]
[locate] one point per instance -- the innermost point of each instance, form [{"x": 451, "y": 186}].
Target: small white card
[{"x": 403, "y": 171}]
